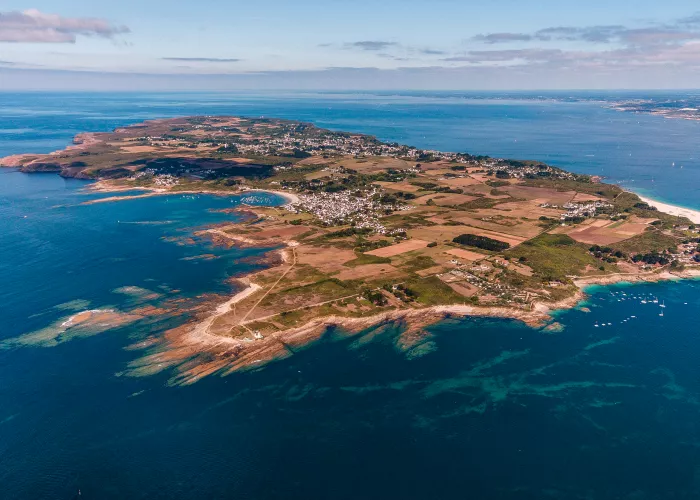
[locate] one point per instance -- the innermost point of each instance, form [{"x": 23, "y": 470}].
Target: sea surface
[{"x": 491, "y": 409}]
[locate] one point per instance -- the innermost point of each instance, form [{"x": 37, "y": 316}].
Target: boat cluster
[{"x": 641, "y": 298}]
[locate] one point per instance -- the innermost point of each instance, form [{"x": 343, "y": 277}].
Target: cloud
[
  {"x": 490, "y": 56},
  {"x": 431, "y": 52},
  {"x": 201, "y": 59},
  {"x": 34, "y": 26},
  {"x": 503, "y": 37},
  {"x": 682, "y": 30},
  {"x": 371, "y": 45},
  {"x": 693, "y": 20},
  {"x": 595, "y": 34}
]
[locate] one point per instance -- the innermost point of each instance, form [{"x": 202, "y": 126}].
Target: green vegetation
[
  {"x": 482, "y": 242},
  {"x": 431, "y": 291},
  {"x": 648, "y": 241},
  {"x": 554, "y": 256},
  {"x": 376, "y": 297},
  {"x": 497, "y": 184},
  {"x": 364, "y": 259},
  {"x": 418, "y": 263},
  {"x": 651, "y": 258},
  {"x": 480, "y": 203}
]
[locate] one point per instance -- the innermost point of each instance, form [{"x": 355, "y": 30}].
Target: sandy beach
[
  {"x": 105, "y": 187},
  {"x": 693, "y": 215}
]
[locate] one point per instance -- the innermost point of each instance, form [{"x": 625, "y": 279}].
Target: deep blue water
[{"x": 493, "y": 410}]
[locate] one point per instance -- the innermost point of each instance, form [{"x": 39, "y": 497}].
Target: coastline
[
  {"x": 106, "y": 187},
  {"x": 689, "y": 213},
  {"x": 230, "y": 355}
]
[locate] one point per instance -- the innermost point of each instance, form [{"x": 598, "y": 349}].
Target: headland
[{"x": 374, "y": 233}]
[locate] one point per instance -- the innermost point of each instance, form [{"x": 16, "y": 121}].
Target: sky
[{"x": 340, "y": 44}]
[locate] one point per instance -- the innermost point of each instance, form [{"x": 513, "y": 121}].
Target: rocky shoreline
[{"x": 194, "y": 352}]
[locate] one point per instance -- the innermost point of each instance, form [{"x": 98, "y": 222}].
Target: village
[{"x": 361, "y": 209}]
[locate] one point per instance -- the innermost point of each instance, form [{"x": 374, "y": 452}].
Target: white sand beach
[{"x": 693, "y": 215}]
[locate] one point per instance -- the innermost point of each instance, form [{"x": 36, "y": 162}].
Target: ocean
[{"x": 493, "y": 410}]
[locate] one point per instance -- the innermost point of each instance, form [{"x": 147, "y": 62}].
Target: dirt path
[
  {"x": 302, "y": 307},
  {"x": 294, "y": 262}
]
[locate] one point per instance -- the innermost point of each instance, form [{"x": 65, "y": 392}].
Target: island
[
  {"x": 685, "y": 109},
  {"x": 373, "y": 234}
]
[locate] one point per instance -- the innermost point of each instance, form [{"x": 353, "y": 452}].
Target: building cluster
[
  {"x": 687, "y": 253},
  {"x": 160, "y": 180},
  {"x": 579, "y": 210},
  {"x": 487, "y": 285},
  {"x": 361, "y": 210},
  {"x": 506, "y": 169},
  {"x": 165, "y": 181}
]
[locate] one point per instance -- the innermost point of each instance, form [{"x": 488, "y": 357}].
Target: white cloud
[{"x": 34, "y": 26}]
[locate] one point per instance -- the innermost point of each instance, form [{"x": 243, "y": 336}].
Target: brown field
[
  {"x": 373, "y": 164},
  {"x": 484, "y": 190},
  {"x": 581, "y": 197},
  {"x": 595, "y": 233},
  {"x": 232, "y": 122},
  {"x": 464, "y": 289},
  {"x": 399, "y": 186},
  {"x": 241, "y": 160},
  {"x": 520, "y": 268},
  {"x": 466, "y": 254},
  {"x": 515, "y": 227},
  {"x": 314, "y": 160},
  {"x": 430, "y": 271},
  {"x": 548, "y": 195},
  {"x": 321, "y": 174},
  {"x": 437, "y": 233},
  {"x": 138, "y": 149},
  {"x": 326, "y": 259},
  {"x": 530, "y": 209},
  {"x": 375, "y": 271},
  {"x": 406, "y": 246},
  {"x": 445, "y": 200},
  {"x": 438, "y": 172},
  {"x": 462, "y": 182},
  {"x": 436, "y": 165},
  {"x": 282, "y": 232},
  {"x": 436, "y": 219}
]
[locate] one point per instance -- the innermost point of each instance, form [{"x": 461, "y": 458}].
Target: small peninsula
[{"x": 373, "y": 233}]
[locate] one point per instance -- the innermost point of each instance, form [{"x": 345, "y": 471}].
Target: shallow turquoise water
[{"x": 483, "y": 409}]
